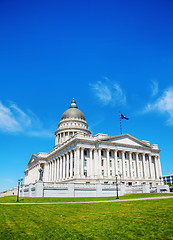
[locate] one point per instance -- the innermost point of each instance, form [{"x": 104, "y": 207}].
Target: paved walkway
[{"x": 118, "y": 200}]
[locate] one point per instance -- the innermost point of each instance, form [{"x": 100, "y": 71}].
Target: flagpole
[{"x": 120, "y": 124}]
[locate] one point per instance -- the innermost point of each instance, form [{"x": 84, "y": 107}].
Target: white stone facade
[{"x": 80, "y": 157}]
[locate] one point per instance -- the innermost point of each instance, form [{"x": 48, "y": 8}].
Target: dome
[{"x": 73, "y": 112}]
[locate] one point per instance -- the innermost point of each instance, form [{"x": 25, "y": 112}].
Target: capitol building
[{"x": 80, "y": 157}]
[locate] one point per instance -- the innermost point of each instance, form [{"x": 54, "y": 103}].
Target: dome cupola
[
  {"x": 72, "y": 121},
  {"x": 73, "y": 112}
]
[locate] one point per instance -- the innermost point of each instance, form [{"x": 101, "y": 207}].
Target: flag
[{"x": 123, "y": 117}]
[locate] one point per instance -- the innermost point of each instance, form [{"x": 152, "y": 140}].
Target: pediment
[
  {"x": 127, "y": 139},
  {"x": 32, "y": 159}
]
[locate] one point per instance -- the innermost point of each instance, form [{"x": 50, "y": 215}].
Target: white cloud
[
  {"x": 108, "y": 92},
  {"x": 14, "y": 120},
  {"x": 163, "y": 104},
  {"x": 154, "y": 88}
]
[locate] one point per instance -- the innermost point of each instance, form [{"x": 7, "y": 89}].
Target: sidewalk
[{"x": 118, "y": 200}]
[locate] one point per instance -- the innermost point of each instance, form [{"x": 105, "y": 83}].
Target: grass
[
  {"x": 80, "y": 199},
  {"x": 152, "y": 219}
]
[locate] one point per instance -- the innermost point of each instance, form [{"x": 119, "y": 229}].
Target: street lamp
[
  {"x": 117, "y": 185},
  {"x": 19, "y": 181}
]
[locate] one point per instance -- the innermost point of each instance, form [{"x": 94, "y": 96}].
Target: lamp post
[
  {"x": 117, "y": 185},
  {"x": 19, "y": 181}
]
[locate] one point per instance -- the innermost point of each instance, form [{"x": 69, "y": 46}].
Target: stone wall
[
  {"x": 45, "y": 189},
  {"x": 9, "y": 192}
]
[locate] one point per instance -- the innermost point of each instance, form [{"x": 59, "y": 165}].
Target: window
[
  {"x": 85, "y": 173},
  {"x": 125, "y": 155},
  {"x": 105, "y": 182},
  {"x": 133, "y": 173},
  {"x": 102, "y": 172},
  {"x": 110, "y": 154},
  {"x": 125, "y": 164},
  {"x": 118, "y": 155},
  {"x": 111, "y": 172},
  {"x": 102, "y": 152},
  {"x": 85, "y": 152},
  {"x": 132, "y": 164},
  {"x": 126, "y": 173},
  {"x": 102, "y": 162},
  {"x": 85, "y": 162},
  {"x": 118, "y": 164},
  {"x": 110, "y": 163}
]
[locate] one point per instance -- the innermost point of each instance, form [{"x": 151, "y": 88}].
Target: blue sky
[{"x": 110, "y": 56}]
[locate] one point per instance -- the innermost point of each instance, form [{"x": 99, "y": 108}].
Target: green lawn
[
  {"x": 151, "y": 219},
  {"x": 81, "y": 199}
]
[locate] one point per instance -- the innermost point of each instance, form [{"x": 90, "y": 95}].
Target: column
[
  {"x": 77, "y": 162},
  {"x": 51, "y": 171},
  {"x": 99, "y": 162},
  {"x": 67, "y": 165},
  {"x": 113, "y": 167},
  {"x": 105, "y": 167},
  {"x": 116, "y": 162},
  {"x": 130, "y": 165},
  {"x": 150, "y": 167},
  {"x": 123, "y": 164},
  {"x": 160, "y": 169},
  {"x": 143, "y": 163},
  {"x": 82, "y": 162},
  {"x": 56, "y": 140},
  {"x": 156, "y": 167},
  {"x": 71, "y": 164},
  {"x": 137, "y": 165},
  {"x": 95, "y": 172},
  {"x": 53, "y": 168},
  {"x": 89, "y": 168},
  {"x": 60, "y": 169},
  {"x": 63, "y": 173},
  {"x": 48, "y": 172},
  {"x": 60, "y": 139},
  {"x": 108, "y": 163}
]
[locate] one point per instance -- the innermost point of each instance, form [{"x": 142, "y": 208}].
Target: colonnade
[
  {"x": 63, "y": 136},
  {"x": 104, "y": 163}
]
